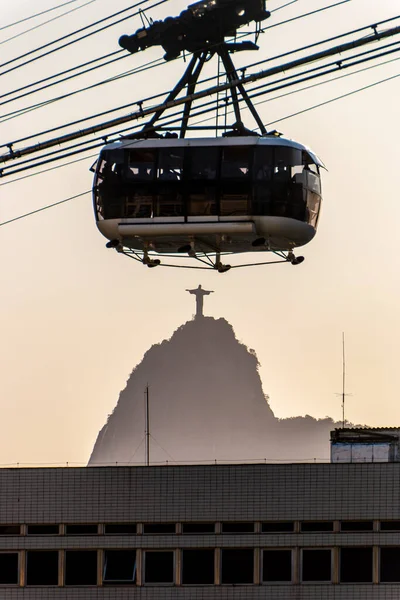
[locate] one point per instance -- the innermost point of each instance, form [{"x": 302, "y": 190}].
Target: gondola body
[{"x": 230, "y": 194}]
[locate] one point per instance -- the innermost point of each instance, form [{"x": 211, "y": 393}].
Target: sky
[{"x": 77, "y": 317}]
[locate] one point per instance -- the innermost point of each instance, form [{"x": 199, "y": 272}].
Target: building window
[
  {"x": 316, "y": 565},
  {"x": 8, "y": 568},
  {"x": 120, "y": 529},
  {"x": 356, "y": 526},
  {"x": 356, "y": 565},
  {"x": 119, "y": 566},
  {"x": 81, "y": 529},
  {"x": 244, "y": 527},
  {"x": 277, "y": 527},
  {"x": 390, "y": 525},
  {"x": 10, "y": 529},
  {"x": 159, "y": 528},
  {"x": 81, "y": 567},
  {"x": 316, "y": 526},
  {"x": 277, "y": 566},
  {"x": 42, "y": 567},
  {"x": 237, "y": 565},
  {"x": 390, "y": 565},
  {"x": 197, "y": 528},
  {"x": 198, "y": 567},
  {"x": 159, "y": 566},
  {"x": 43, "y": 530}
]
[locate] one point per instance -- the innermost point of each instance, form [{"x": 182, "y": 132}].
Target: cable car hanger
[{"x": 159, "y": 196}]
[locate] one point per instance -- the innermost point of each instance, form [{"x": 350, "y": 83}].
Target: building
[
  {"x": 365, "y": 444},
  {"x": 240, "y": 531}
]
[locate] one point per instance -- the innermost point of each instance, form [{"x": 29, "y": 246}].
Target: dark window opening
[
  {"x": 277, "y": 565},
  {"x": 8, "y": 568},
  {"x": 159, "y": 567},
  {"x": 42, "y": 567},
  {"x": 43, "y": 529},
  {"x": 159, "y": 528},
  {"x": 237, "y": 527},
  {"x": 317, "y": 565},
  {"x": 198, "y": 567},
  {"x": 201, "y": 200},
  {"x": 119, "y": 566},
  {"x": 234, "y": 199},
  {"x": 390, "y": 525},
  {"x": 237, "y": 565},
  {"x": 203, "y": 163},
  {"x": 170, "y": 164},
  {"x": 356, "y": 565},
  {"x": 316, "y": 526},
  {"x": 198, "y": 528},
  {"x": 10, "y": 529},
  {"x": 277, "y": 527},
  {"x": 81, "y": 567},
  {"x": 356, "y": 526},
  {"x": 81, "y": 529},
  {"x": 390, "y": 565},
  {"x": 263, "y": 165},
  {"x": 168, "y": 201},
  {"x": 120, "y": 529},
  {"x": 141, "y": 165},
  {"x": 235, "y": 162}
]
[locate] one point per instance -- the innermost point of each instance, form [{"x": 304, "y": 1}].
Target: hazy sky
[{"x": 76, "y": 317}]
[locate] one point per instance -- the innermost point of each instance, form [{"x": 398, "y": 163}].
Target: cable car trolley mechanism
[{"x": 160, "y": 198}]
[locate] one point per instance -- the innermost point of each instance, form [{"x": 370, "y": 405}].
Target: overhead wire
[
  {"x": 38, "y": 210},
  {"x": 69, "y": 35},
  {"x": 200, "y": 110},
  {"x": 150, "y": 65},
  {"x": 18, "y": 35},
  {"x": 129, "y": 73},
  {"x": 248, "y": 79},
  {"x": 39, "y": 14}
]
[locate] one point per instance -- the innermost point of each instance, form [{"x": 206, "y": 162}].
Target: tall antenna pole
[
  {"x": 344, "y": 380},
  {"x": 147, "y": 430}
]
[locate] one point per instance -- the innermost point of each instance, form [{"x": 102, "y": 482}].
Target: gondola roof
[{"x": 267, "y": 140}]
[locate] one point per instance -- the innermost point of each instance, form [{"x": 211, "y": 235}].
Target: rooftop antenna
[
  {"x": 147, "y": 426},
  {"x": 343, "y": 393},
  {"x": 344, "y": 379}
]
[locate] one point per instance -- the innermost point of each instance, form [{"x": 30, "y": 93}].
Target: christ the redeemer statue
[{"x": 200, "y": 293}]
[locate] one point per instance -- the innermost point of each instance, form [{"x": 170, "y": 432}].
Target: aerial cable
[
  {"x": 39, "y": 105},
  {"x": 320, "y": 43},
  {"x": 313, "y": 12},
  {"x": 284, "y": 6},
  {"x": 43, "y": 12},
  {"x": 329, "y": 68},
  {"x": 27, "y": 109},
  {"x": 348, "y": 94},
  {"x": 128, "y": 73},
  {"x": 141, "y": 113},
  {"x": 17, "y": 35},
  {"x": 59, "y": 74},
  {"x": 205, "y": 120},
  {"x": 75, "y": 33},
  {"x": 200, "y": 113},
  {"x": 38, "y": 210},
  {"x": 274, "y": 86},
  {"x": 333, "y": 79}
]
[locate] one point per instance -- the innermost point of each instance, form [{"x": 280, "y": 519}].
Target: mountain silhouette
[{"x": 206, "y": 403}]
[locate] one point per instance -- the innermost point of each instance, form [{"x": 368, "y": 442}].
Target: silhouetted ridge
[{"x": 206, "y": 403}]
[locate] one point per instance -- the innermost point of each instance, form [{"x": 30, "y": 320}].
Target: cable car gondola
[
  {"x": 160, "y": 197},
  {"x": 207, "y": 195}
]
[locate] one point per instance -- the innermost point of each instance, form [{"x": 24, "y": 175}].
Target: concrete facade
[{"x": 256, "y": 494}]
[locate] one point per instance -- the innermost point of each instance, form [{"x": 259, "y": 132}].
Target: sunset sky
[{"x": 76, "y": 317}]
